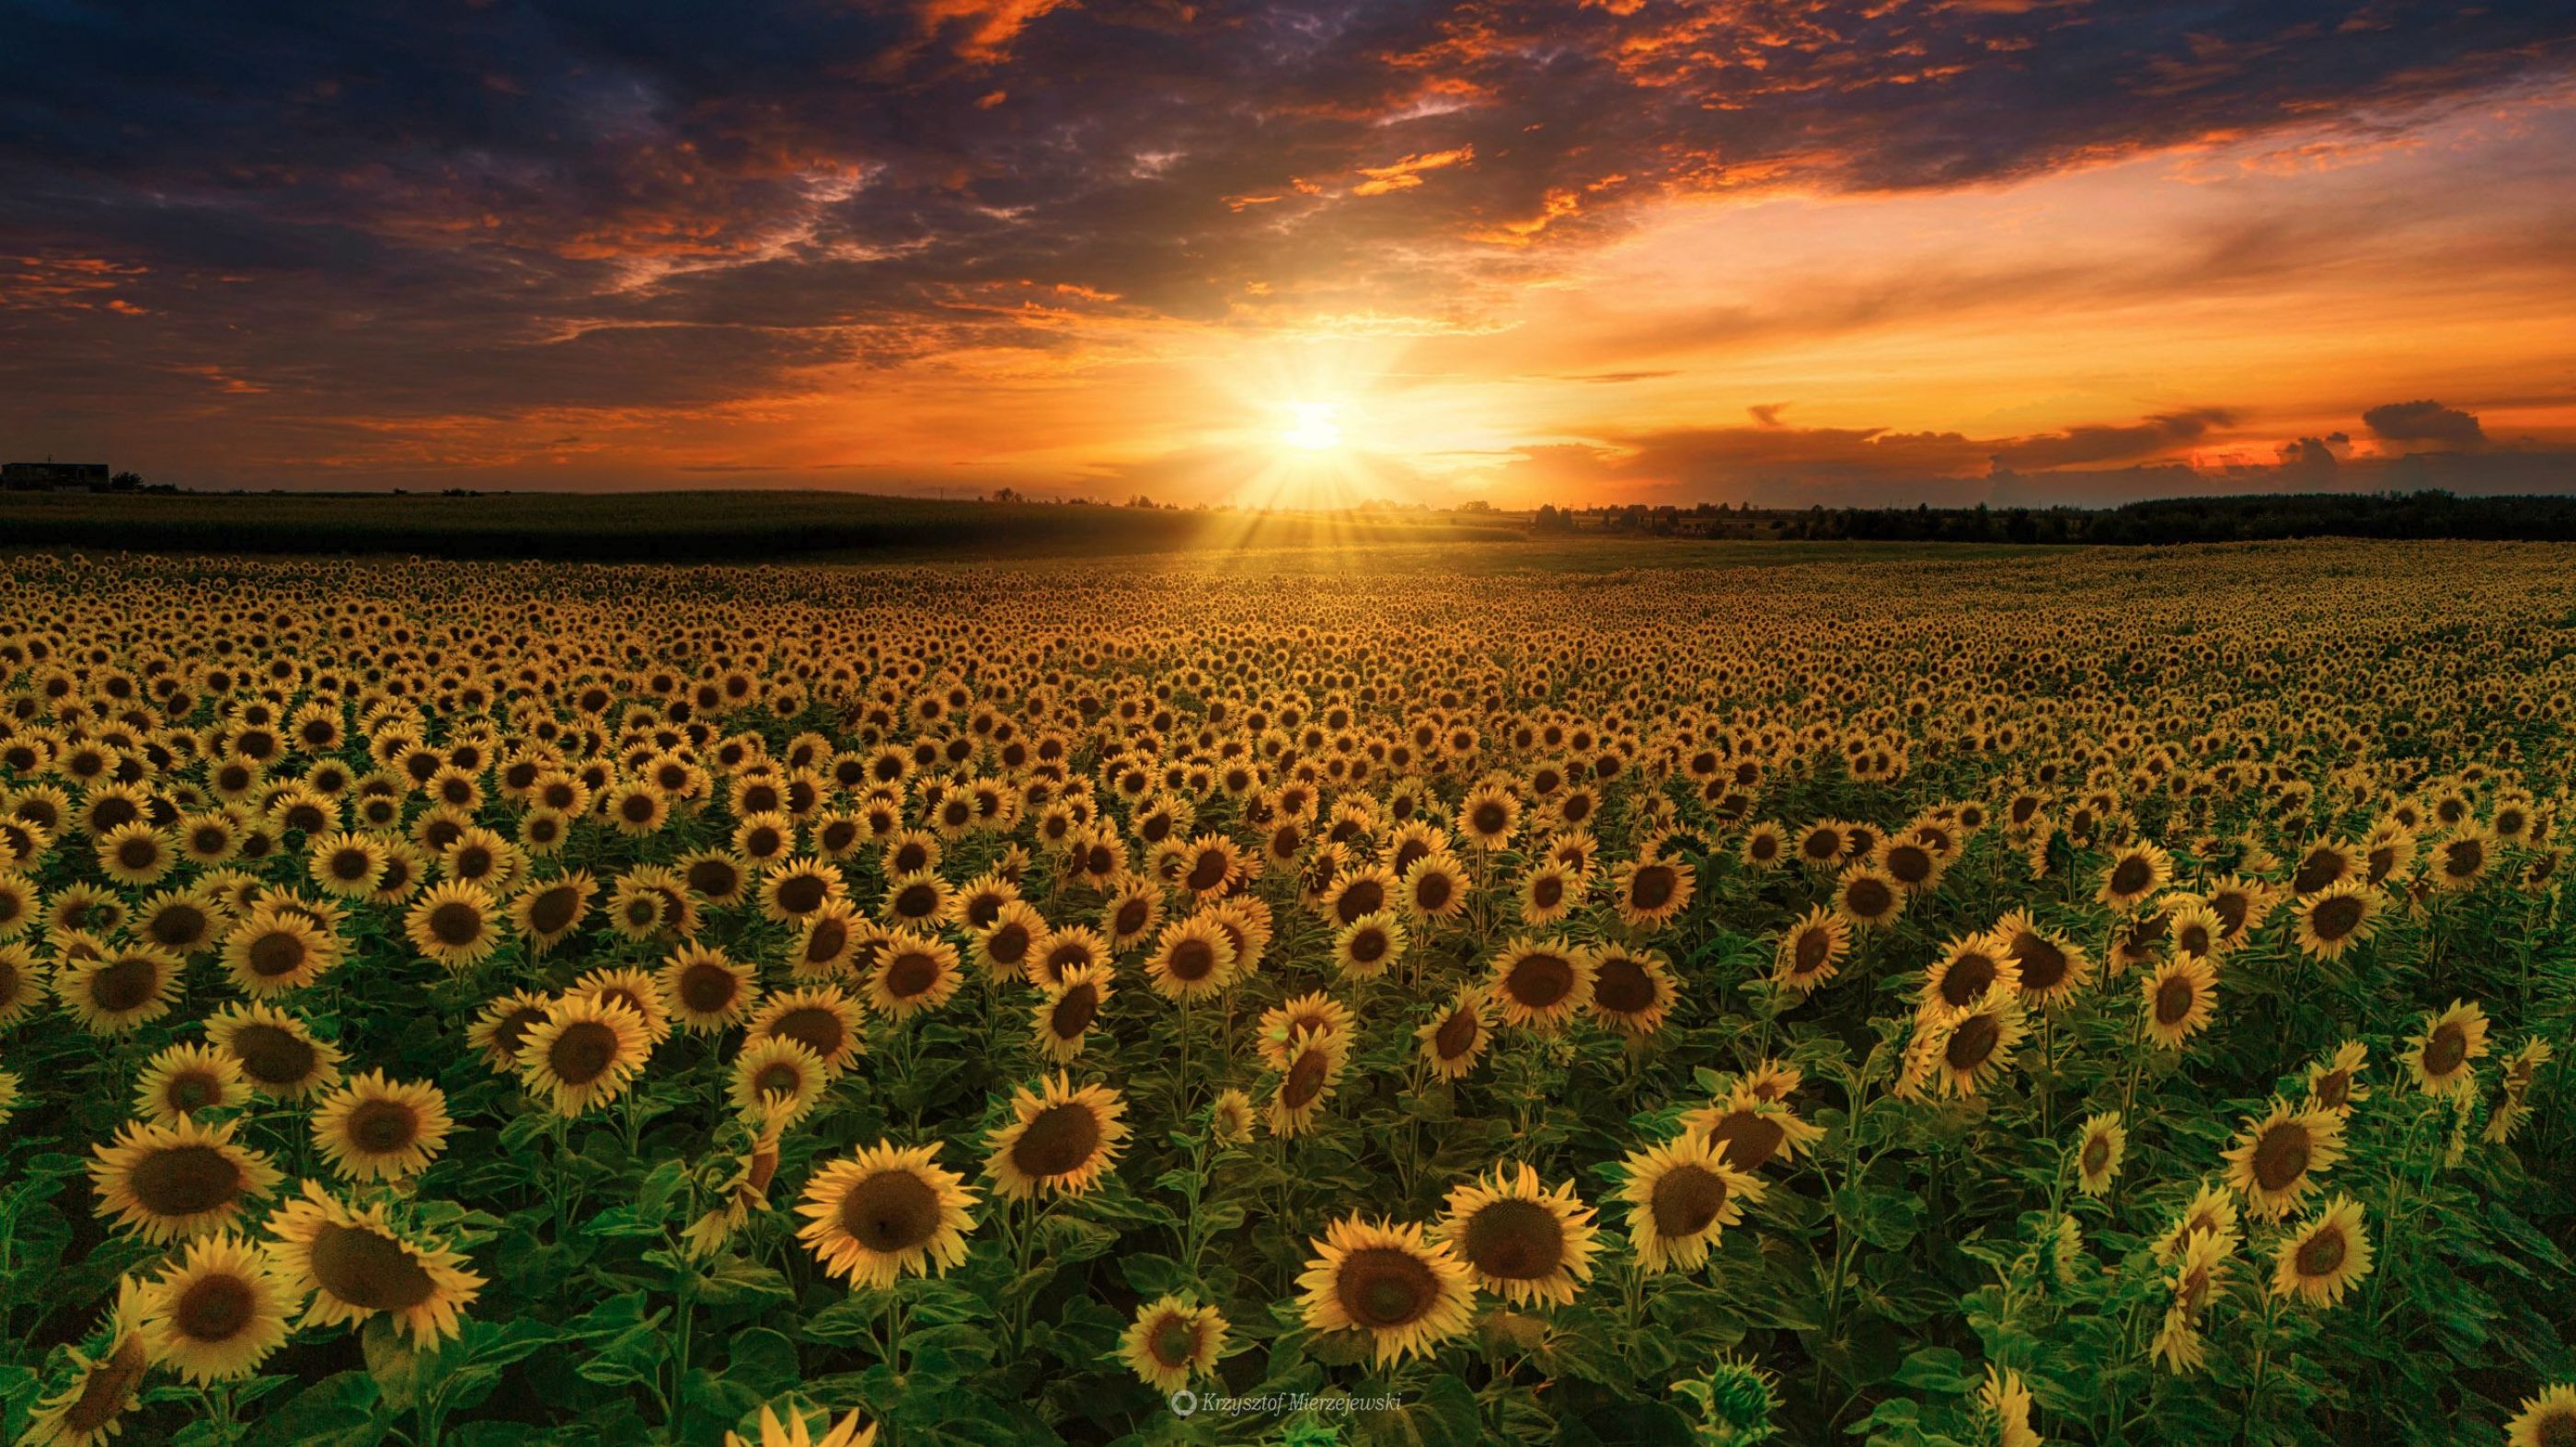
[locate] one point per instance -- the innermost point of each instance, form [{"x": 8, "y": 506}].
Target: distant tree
[
  {"x": 1006, "y": 494},
  {"x": 1140, "y": 500},
  {"x": 1552, "y": 519},
  {"x": 126, "y": 482},
  {"x": 1476, "y": 505}
]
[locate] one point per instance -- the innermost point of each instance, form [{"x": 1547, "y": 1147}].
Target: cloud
[
  {"x": 2110, "y": 444},
  {"x": 2424, "y": 422}
]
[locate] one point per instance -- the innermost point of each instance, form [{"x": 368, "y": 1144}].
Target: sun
[{"x": 1313, "y": 426}]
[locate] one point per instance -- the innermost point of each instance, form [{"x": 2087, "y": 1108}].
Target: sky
[{"x": 1307, "y": 254}]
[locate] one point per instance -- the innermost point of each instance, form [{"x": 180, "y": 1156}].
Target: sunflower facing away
[
  {"x": 1408, "y": 1294},
  {"x": 107, "y": 1375},
  {"x": 884, "y": 1212}
]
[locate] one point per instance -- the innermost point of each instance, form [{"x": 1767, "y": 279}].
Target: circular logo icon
[{"x": 1184, "y": 1402}]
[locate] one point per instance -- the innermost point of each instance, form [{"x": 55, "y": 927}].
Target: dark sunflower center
[
  {"x": 890, "y": 1211},
  {"x": 185, "y": 1180},
  {"x": 1540, "y": 980},
  {"x": 817, "y": 1029},
  {"x": 1009, "y": 944},
  {"x": 583, "y": 1052},
  {"x": 273, "y": 1055},
  {"x": 178, "y": 924},
  {"x": 2322, "y": 1254},
  {"x": 1174, "y": 1340},
  {"x": 1208, "y": 871},
  {"x": 1382, "y": 1287},
  {"x": 911, "y": 973},
  {"x": 138, "y": 852},
  {"x": 1457, "y": 1035},
  {"x": 801, "y": 894},
  {"x": 2463, "y": 857},
  {"x": 1811, "y": 951},
  {"x": 1967, "y": 979},
  {"x": 1131, "y": 917},
  {"x": 778, "y": 1078},
  {"x": 2131, "y": 876},
  {"x": 1547, "y": 890},
  {"x": 368, "y": 1269},
  {"x": 381, "y": 1127},
  {"x": 1368, "y": 946},
  {"x": 2334, "y": 1087},
  {"x": 1515, "y": 1240},
  {"x": 2317, "y": 871},
  {"x": 1686, "y": 1200},
  {"x": 1193, "y": 960},
  {"x": 126, "y": 984},
  {"x": 1869, "y": 898},
  {"x": 1059, "y": 1139},
  {"x": 1972, "y": 1043},
  {"x": 1431, "y": 891},
  {"x": 2557, "y": 1429},
  {"x": 1305, "y": 1080},
  {"x": 108, "y": 1387},
  {"x": 456, "y": 924},
  {"x": 2281, "y": 1156},
  {"x": 916, "y": 901},
  {"x": 1747, "y": 1138},
  {"x": 2043, "y": 965},
  {"x": 2336, "y": 917},
  {"x": 193, "y": 1091},
  {"x": 1910, "y": 863},
  {"x": 714, "y": 878},
  {"x": 2173, "y": 1001},
  {"x": 1490, "y": 818},
  {"x": 1368, "y": 896},
  {"x": 706, "y": 987},
  {"x": 1652, "y": 887},
  {"x": 214, "y": 1308},
  {"x": 2444, "y": 1052},
  {"x": 2097, "y": 1155},
  {"x": 552, "y": 911},
  {"x": 1623, "y": 987},
  {"x": 1073, "y": 1014}
]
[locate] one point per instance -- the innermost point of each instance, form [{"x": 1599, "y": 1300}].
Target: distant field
[{"x": 677, "y": 526}]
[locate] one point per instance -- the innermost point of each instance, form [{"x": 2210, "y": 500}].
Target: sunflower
[
  {"x": 2199, "y": 1270},
  {"x": 1488, "y": 815},
  {"x": 1191, "y": 959},
  {"x": 2441, "y": 1057},
  {"x": 2195, "y": 928},
  {"x": 1866, "y": 896},
  {"x": 1632, "y": 990},
  {"x": 821, "y": 1018},
  {"x": 1540, "y": 983},
  {"x": 916, "y": 901},
  {"x": 2180, "y": 999},
  {"x": 2212, "y": 1213},
  {"x": 1823, "y": 845},
  {"x": 549, "y": 910},
  {"x": 885, "y": 1212},
  {"x": 1407, "y": 1293},
  {"x": 454, "y": 924},
  {"x": 2052, "y": 967},
  {"x": 2275, "y": 1161},
  {"x": 2134, "y": 873},
  {"x": 2321, "y": 1260},
  {"x": 2335, "y": 1083},
  {"x": 1648, "y": 892},
  {"x": 2099, "y": 1150},
  {"x": 107, "y": 1377},
  {"x": 1548, "y": 893},
  {"x": 2546, "y": 1420},
  {"x": 780, "y": 1076},
  {"x": 1210, "y": 865},
  {"x": 503, "y": 1026},
  {"x": 1432, "y": 888},
  {"x": 1681, "y": 1196},
  {"x": 375, "y": 1129},
  {"x": 9, "y": 1095},
  {"x": 1230, "y": 1117},
  {"x": 708, "y": 990},
  {"x": 1128, "y": 917},
  {"x": 1460, "y": 1035},
  {"x": 583, "y": 1053},
  {"x": 218, "y": 1311},
  {"x": 183, "y": 922},
  {"x": 17, "y": 904},
  {"x": 2460, "y": 861},
  {"x": 184, "y": 1079},
  {"x": 1751, "y": 1131},
  {"x": 135, "y": 854},
  {"x": 1172, "y": 1342},
  {"x": 170, "y": 1182},
  {"x": 115, "y": 993},
  {"x": 2336, "y": 918},
  {"x": 797, "y": 889},
  {"x": 1969, "y": 973},
  {"x": 2514, "y": 1105},
  {"x": 745, "y": 1188},
  {"x": 1969, "y": 1045},
  {"x": 1312, "y": 1065},
  {"x": 637, "y": 990},
  {"x": 1764, "y": 846},
  {"x": 1524, "y": 1241},
  {"x": 346, "y": 864},
  {"x": 277, "y": 1051},
  {"x": 1071, "y": 948},
  {"x": 1811, "y": 952},
  {"x": 1015, "y": 937},
  {"x": 357, "y": 1264},
  {"x": 793, "y": 1431},
  {"x": 1060, "y": 1140},
  {"x": 913, "y": 973},
  {"x": 1062, "y": 1020},
  {"x": 1367, "y": 946}
]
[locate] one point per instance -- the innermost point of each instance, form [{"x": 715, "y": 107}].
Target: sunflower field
[{"x": 2074, "y": 997}]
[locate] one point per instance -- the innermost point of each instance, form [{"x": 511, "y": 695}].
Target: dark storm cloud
[
  {"x": 466, "y": 209},
  {"x": 2424, "y": 422},
  {"x": 2079, "y": 445}
]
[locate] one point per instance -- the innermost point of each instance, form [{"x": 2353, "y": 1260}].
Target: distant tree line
[{"x": 2250, "y": 518}]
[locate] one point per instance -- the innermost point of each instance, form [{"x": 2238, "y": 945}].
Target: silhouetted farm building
[{"x": 47, "y": 476}]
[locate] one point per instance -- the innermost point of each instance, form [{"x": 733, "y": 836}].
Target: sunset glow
[{"x": 1634, "y": 252}]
